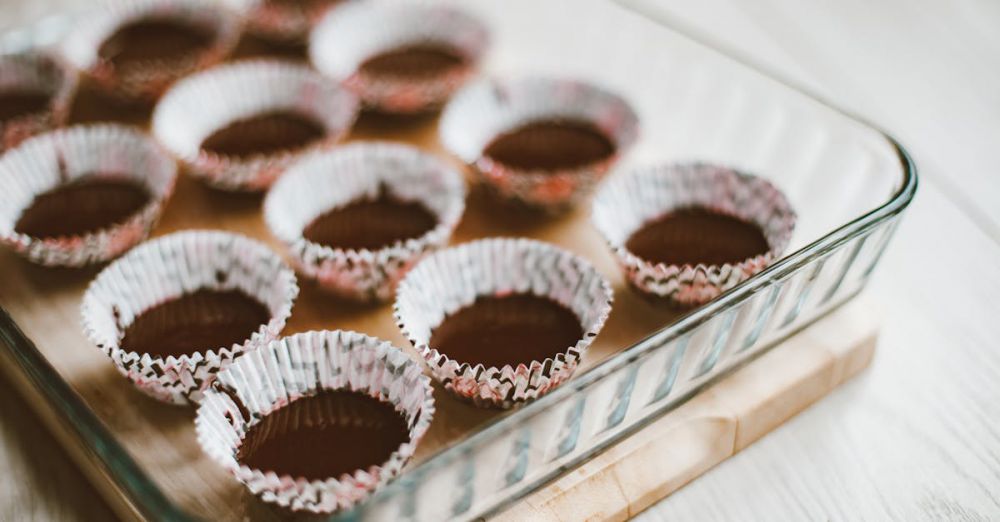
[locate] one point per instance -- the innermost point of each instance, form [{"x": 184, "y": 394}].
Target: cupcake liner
[
  {"x": 356, "y": 172},
  {"x": 282, "y": 20},
  {"x": 353, "y": 33},
  {"x": 167, "y": 268},
  {"x": 488, "y": 108},
  {"x": 206, "y": 102},
  {"x": 454, "y": 278},
  {"x": 35, "y": 72},
  {"x": 146, "y": 81},
  {"x": 298, "y": 366},
  {"x": 625, "y": 203},
  {"x": 49, "y": 160}
]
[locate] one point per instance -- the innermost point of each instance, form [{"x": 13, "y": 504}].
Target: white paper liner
[
  {"x": 283, "y": 20},
  {"x": 147, "y": 81},
  {"x": 454, "y": 278},
  {"x": 353, "y": 172},
  {"x": 353, "y": 33},
  {"x": 628, "y": 201},
  {"x": 46, "y": 161},
  {"x": 167, "y": 268},
  {"x": 40, "y": 73},
  {"x": 201, "y": 104},
  {"x": 488, "y": 108},
  {"x": 298, "y": 366}
]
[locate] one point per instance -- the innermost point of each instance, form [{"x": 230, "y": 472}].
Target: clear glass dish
[{"x": 848, "y": 181}]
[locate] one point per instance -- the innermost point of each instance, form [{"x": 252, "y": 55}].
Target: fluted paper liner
[
  {"x": 41, "y": 73},
  {"x": 282, "y": 20},
  {"x": 146, "y": 81},
  {"x": 167, "y": 268},
  {"x": 206, "y": 102},
  {"x": 351, "y": 173},
  {"x": 454, "y": 278},
  {"x": 353, "y": 33},
  {"x": 49, "y": 160},
  {"x": 627, "y": 202},
  {"x": 299, "y": 366},
  {"x": 488, "y": 108}
]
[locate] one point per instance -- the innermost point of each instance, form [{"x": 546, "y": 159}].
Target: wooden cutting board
[{"x": 713, "y": 426}]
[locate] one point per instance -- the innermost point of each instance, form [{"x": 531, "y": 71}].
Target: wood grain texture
[{"x": 719, "y": 422}]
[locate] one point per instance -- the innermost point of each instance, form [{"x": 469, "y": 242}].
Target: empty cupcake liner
[
  {"x": 627, "y": 202},
  {"x": 167, "y": 268},
  {"x": 264, "y": 381},
  {"x": 146, "y": 81},
  {"x": 353, "y": 33},
  {"x": 488, "y": 108},
  {"x": 282, "y": 19},
  {"x": 354, "y": 172},
  {"x": 206, "y": 102},
  {"x": 35, "y": 72},
  {"x": 49, "y": 160},
  {"x": 454, "y": 278}
]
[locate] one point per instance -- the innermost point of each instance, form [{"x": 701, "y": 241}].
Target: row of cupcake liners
[
  {"x": 297, "y": 366},
  {"x": 36, "y": 72},
  {"x": 97, "y": 151},
  {"x": 168, "y": 268}
]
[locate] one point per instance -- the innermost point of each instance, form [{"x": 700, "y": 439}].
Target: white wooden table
[{"x": 916, "y": 437}]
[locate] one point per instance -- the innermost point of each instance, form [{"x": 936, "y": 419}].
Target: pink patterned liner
[
  {"x": 167, "y": 268},
  {"x": 46, "y": 161},
  {"x": 146, "y": 81},
  {"x": 484, "y": 110},
  {"x": 346, "y": 174},
  {"x": 625, "y": 203},
  {"x": 36, "y": 72},
  {"x": 453, "y": 278},
  {"x": 261, "y": 382},
  {"x": 199, "y": 105},
  {"x": 282, "y": 20},
  {"x": 353, "y": 33}
]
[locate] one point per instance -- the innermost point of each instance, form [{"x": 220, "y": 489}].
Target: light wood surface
[
  {"x": 916, "y": 437},
  {"x": 713, "y": 426}
]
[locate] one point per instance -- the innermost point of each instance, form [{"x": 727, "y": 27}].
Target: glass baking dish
[{"x": 848, "y": 181}]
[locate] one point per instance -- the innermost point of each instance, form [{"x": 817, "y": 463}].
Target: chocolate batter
[
  {"x": 154, "y": 39},
  {"x": 414, "y": 62},
  {"x": 697, "y": 235},
  {"x": 15, "y": 103},
  {"x": 325, "y": 435},
  {"x": 267, "y": 133},
  {"x": 371, "y": 224},
  {"x": 515, "y": 329},
  {"x": 551, "y": 145},
  {"x": 87, "y": 204},
  {"x": 200, "y": 321}
]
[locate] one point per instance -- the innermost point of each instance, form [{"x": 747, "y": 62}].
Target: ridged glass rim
[{"x": 146, "y": 498}]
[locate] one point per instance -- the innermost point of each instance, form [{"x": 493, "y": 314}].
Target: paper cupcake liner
[
  {"x": 354, "y": 172},
  {"x": 146, "y": 81},
  {"x": 49, "y": 160},
  {"x": 206, "y": 102},
  {"x": 353, "y": 33},
  {"x": 625, "y": 203},
  {"x": 488, "y": 108},
  {"x": 260, "y": 383},
  {"x": 449, "y": 280},
  {"x": 282, "y": 20},
  {"x": 36, "y": 72},
  {"x": 167, "y": 268}
]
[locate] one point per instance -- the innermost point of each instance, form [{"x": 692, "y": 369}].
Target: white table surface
[{"x": 917, "y": 436}]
